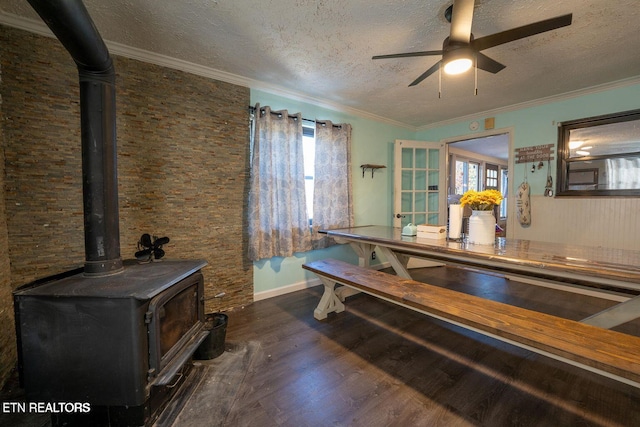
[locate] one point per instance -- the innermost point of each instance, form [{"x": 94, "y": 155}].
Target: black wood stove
[
  {"x": 116, "y": 337},
  {"x": 121, "y": 343}
]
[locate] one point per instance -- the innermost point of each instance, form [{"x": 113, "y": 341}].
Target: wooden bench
[{"x": 609, "y": 353}]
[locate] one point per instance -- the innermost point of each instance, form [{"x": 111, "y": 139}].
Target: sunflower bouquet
[{"x": 481, "y": 200}]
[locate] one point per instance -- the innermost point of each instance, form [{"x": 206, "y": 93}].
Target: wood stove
[{"x": 121, "y": 343}]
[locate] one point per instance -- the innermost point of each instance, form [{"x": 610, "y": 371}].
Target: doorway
[{"x": 481, "y": 163}]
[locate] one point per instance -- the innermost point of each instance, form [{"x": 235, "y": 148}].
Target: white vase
[{"x": 482, "y": 228}]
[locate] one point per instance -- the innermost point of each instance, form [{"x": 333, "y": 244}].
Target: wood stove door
[{"x": 176, "y": 328}]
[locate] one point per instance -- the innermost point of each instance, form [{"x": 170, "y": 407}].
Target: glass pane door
[{"x": 419, "y": 183}]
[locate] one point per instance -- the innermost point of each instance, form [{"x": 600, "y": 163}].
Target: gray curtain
[
  {"x": 332, "y": 195},
  {"x": 277, "y": 221}
]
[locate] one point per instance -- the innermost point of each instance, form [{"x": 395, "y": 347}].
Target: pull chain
[
  {"x": 475, "y": 57},
  {"x": 440, "y": 81}
]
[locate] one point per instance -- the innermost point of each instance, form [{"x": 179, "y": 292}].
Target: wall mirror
[{"x": 600, "y": 156}]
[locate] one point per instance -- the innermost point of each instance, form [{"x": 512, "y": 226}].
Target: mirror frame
[{"x": 564, "y": 160}]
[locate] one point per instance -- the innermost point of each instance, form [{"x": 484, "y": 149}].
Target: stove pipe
[{"x": 72, "y": 25}]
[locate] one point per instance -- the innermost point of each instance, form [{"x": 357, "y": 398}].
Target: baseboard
[
  {"x": 258, "y": 296},
  {"x": 306, "y": 284}
]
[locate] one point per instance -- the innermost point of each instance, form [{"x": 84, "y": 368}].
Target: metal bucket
[{"x": 213, "y": 345}]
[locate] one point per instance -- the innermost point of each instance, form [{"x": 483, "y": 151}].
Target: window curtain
[
  {"x": 277, "y": 219},
  {"x": 332, "y": 195}
]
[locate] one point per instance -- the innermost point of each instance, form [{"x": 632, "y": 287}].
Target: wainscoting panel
[{"x": 596, "y": 221}]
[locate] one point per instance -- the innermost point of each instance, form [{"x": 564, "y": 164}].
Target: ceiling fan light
[
  {"x": 458, "y": 66},
  {"x": 575, "y": 144}
]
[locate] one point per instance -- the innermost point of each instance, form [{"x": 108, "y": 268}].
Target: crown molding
[
  {"x": 15, "y": 21},
  {"x": 536, "y": 102},
  {"x": 298, "y": 96},
  {"x": 38, "y": 27}
]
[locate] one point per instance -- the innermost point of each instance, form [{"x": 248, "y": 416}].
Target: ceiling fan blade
[
  {"x": 409, "y": 54},
  {"x": 521, "y": 32},
  {"x": 426, "y": 74},
  {"x": 461, "y": 18},
  {"x": 487, "y": 64}
]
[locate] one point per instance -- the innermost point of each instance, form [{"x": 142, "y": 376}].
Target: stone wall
[
  {"x": 182, "y": 163},
  {"x": 7, "y": 336}
]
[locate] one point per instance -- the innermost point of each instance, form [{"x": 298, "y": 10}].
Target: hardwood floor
[{"x": 377, "y": 364}]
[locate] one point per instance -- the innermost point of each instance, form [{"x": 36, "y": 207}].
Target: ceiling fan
[{"x": 460, "y": 49}]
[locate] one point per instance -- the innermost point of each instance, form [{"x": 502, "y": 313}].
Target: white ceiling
[
  {"x": 320, "y": 50},
  {"x": 496, "y": 146}
]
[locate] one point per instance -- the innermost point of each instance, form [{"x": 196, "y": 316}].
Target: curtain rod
[{"x": 253, "y": 110}]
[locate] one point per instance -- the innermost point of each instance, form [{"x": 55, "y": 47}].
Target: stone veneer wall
[
  {"x": 7, "y": 336},
  {"x": 182, "y": 164}
]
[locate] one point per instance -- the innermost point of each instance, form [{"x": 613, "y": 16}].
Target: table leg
[
  {"x": 397, "y": 261},
  {"x": 617, "y": 315},
  {"x": 364, "y": 251},
  {"x": 329, "y": 302}
]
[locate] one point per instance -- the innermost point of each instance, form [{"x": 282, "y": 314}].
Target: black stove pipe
[{"x": 72, "y": 25}]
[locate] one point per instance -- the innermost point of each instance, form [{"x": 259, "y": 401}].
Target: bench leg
[
  {"x": 344, "y": 291},
  {"x": 329, "y": 302}
]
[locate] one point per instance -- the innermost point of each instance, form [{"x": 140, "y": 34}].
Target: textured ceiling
[{"x": 320, "y": 50}]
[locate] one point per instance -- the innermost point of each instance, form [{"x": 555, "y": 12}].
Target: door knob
[{"x": 399, "y": 216}]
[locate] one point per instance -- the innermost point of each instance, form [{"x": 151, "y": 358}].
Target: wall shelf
[{"x": 372, "y": 167}]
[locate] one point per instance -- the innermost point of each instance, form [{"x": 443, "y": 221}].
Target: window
[
  {"x": 467, "y": 176},
  {"x": 600, "y": 156},
  {"x": 491, "y": 177},
  {"x": 309, "y": 153}
]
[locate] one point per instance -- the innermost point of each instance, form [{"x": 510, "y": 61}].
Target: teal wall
[
  {"x": 539, "y": 124},
  {"x": 372, "y": 142}
]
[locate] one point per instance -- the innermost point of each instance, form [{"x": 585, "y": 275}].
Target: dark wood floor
[{"x": 377, "y": 364}]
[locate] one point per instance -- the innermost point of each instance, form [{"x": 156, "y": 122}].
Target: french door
[{"x": 419, "y": 183}]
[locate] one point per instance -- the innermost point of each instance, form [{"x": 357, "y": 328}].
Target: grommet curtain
[
  {"x": 332, "y": 195},
  {"x": 277, "y": 219}
]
